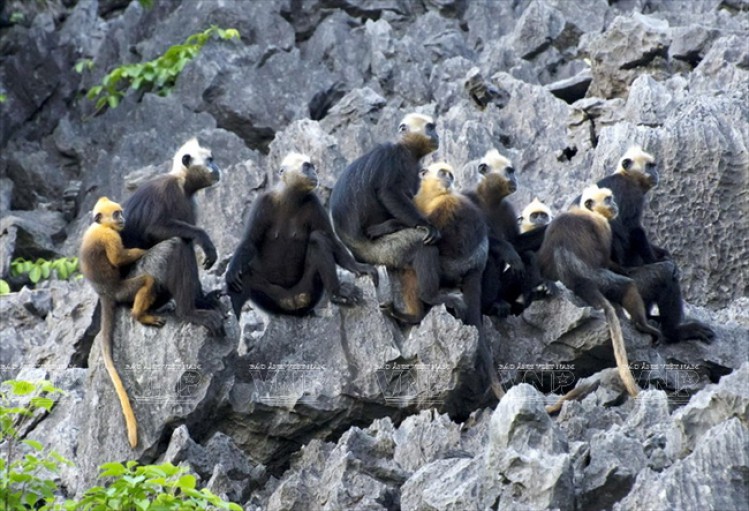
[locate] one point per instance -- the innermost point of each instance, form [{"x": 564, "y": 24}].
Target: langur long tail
[
  {"x": 486, "y": 361},
  {"x": 107, "y": 327},
  {"x": 576, "y": 393},
  {"x": 620, "y": 351}
]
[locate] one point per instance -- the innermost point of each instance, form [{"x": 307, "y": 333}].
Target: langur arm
[
  {"x": 319, "y": 221},
  {"x": 401, "y": 206},
  {"x": 506, "y": 252},
  {"x": 118, "y": 255},
  {"x": 177, "y": 228},
  {"x": 530, "y": 240},
  {"x": 247, "y": 248}
]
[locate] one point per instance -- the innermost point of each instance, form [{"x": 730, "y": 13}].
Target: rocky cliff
[{"x": 344, "y": 410}]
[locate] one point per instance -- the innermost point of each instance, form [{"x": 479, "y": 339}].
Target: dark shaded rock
[
  {"x": 537, "y": 29},
  {"x": 34, "y": 233},
  {"x": 323, "y": 101},
  {"x": 483, "y": 93},
  {"x": 225, "y": 468},
  {"x": 572, "y": 89},
  {"x": 690, "y": 44},
  {"x": 615, "y": 461}
]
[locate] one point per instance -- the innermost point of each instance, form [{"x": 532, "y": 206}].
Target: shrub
[
  {"x": 148, "y": 487},
  {"x": 22, "y": 485},
  {"x": 64, "y": 268},
  {"x": 158, "y": 75}
]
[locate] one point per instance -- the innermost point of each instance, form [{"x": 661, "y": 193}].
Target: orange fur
[{"x": 101, "y": 256}]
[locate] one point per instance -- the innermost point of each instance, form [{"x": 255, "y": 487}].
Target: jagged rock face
[{"x": 343, "y": 410}]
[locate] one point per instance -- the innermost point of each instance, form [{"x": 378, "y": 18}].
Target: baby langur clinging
[
  {"x": 163, "y": 208},
  {"x": 101, "y": 256},
  {"x": 577, "y": 251},
  {"x": 374, "y": 214},
  {"x": 535, "y": 215}
]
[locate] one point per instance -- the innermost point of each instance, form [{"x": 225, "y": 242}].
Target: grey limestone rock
[{"x": 344, "y": 409}]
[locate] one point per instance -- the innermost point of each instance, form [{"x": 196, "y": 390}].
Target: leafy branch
[
  {"x": 23, "y": 484},
  {"x": 148, "y": 487},
  {"x": 158, "y": 75},
  {"x": 63, "y": 268}
]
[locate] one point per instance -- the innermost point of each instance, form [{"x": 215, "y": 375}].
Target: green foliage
[
  {"x": 146, "y": 4},
  {"x": 83, "y": 65},
  {"x": 26, "y": 469},
  {"x": 64, "y": 268},
  {"x": 147, "y": 488},
  {"x": 4, "y": 287},
  {"x": 3, "y": 97},
  {"x": 16, "y": 17},
  {"x": 24, "y": 481},
  {"x": 158, "y": 75}
]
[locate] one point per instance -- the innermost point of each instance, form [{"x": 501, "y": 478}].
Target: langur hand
[
  {"x": 368, "y": 269},
  {"x": 210, "y": 254},
  {"x": 234, "y": 279},
  {"x": 432, "y": 235},
  {"x": 515, "y": 265},
  {"x": 379, "y": 230}
]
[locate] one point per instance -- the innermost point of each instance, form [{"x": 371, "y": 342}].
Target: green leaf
[
  {"x": 18, "y": 477},
  {"x": 46, "y": 266},
  {"x": 187, "y": 481},
  {"x": 37, "y": 446},
  {"x": 42, "y": 402},
  {"x": 35, "y": 274},
  {"x": 21, "y": 388},
  {"x": 93, "y": 92},
  {"x": 113, "y": 101},
  {"x": 112, "y": 470},
  {"x": 4, "y": 287},
  {"x": 71, "y": 264},
  {"x": 62, "y": 271},
  {"x": 27, "y": 266},
  {"x": 101, "y": 103}
]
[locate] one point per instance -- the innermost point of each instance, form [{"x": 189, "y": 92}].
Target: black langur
[
  {"x": 374, "y": 214},
  {"x": 163, "y": 208},
  {"x": 635, "y": 175},
  {"x": 462, "y": 248},
  {"x": 507, "y": 285},
  {"x": 289, "y": 251},
  {"x": 101, "y": 256},
  {"x": 577, "y": 251}
]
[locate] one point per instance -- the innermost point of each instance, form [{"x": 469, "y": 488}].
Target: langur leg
[
  {"x": 183, "y": 283},
  {"x": 659, "y": 284},
  {"x": 140, "y": 290}
]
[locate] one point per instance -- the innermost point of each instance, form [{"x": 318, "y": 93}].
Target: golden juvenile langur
[{"x": 101, "y": 256}]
